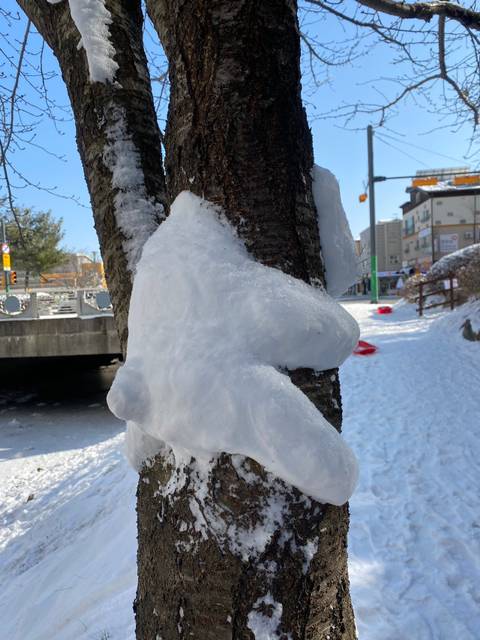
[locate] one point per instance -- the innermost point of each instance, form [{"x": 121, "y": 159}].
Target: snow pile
[
  {"x": 137, "y": 213},
  {"x": 92, "y": 20},
  {"x": 210, "y": 332},
  {"x": 335, "y": 236},
  {"x": 453, "y": 262}
]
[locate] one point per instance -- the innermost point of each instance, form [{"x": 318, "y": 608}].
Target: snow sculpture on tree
[{"x": 210, "y": 333}]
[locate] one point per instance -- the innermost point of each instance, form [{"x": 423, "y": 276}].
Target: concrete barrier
[{"x": 59, "y": 337}]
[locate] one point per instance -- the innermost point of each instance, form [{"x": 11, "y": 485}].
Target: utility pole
[
  {"x": 474, "y": 219},
  {"x": 432, "y": 230},
  {"x": 373, "y": 240},
  {"x": 5, "y": 258}
]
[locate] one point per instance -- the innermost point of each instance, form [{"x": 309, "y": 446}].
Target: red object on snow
[
  {"x": 385, "y": 309},
  {"x": 364, "y": 349}
]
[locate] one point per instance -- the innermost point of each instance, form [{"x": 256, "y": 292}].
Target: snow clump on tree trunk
[
  {"x": 137, "y": 214},
  {"x": 92, "y": 19},
  {"x": 337, "y": 243},
  {"x": 211, "y": 335}
]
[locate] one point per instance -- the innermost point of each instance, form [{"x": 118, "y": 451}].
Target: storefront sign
[{"x": 448, "y": 243}]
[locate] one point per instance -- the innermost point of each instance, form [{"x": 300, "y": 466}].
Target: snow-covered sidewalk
[
  {"x": 68, "y": 531},
  {"x": 412, "y": 417},
  {"x": 67, "y": 497}
]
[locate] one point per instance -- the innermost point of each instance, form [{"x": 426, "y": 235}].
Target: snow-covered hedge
[{"x": 453, "y": 262}]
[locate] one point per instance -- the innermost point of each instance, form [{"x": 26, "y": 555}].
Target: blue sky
[{"x": 342, "y": 150}]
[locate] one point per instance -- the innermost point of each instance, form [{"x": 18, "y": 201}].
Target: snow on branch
[
  {"x": 211, "y": 334},
  {"x": 92, "y": 19},
  {"x": 137, "y": 213}
]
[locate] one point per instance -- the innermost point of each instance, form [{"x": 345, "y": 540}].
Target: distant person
[{"x": 399, "y": 286}]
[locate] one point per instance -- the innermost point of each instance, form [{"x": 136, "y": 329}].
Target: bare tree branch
[
  {"x": 426, "y": 11},
  {"x": 14, "y": 91},
  {"x": 444, "y": 72},
  {"x": 10, "y": 197}
]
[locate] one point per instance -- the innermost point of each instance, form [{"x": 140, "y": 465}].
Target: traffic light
[{"x": 13, "y": 277}]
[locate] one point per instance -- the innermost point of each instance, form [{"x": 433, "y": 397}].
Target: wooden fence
[{"x": 448, "y": 288}]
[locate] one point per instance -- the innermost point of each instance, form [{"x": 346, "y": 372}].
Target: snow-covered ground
[
  {"x": 67, "y": 539},
  {"x": 412, "y": 417},
  {"x": 67, "y": 518}
]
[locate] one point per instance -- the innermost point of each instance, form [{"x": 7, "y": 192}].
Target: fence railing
[
  {"x": 448, "y": 288},
  {"x": 42, "y": 304}
]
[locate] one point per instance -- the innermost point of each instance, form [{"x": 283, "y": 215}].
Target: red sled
[
  {"x": 385, "y": 309},
  {"x": 364, "y": 349}
]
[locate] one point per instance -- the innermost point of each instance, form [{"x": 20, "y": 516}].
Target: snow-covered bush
[
  {"x": 410, "y": 290},
  {"x": 453, "y": 262},
  {"x": 469, "y": 278}
]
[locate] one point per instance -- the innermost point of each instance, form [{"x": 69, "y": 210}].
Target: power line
[
  {"x": 390, "y": 145},
  {"x": 444, "y": 174},
  {"x": 416, "y": 146}
]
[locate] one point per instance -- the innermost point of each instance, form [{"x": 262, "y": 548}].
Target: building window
[
  {"x": 450, "y": 214},
  {"x": 463, "y": 221},
  {"x": 439, "y": 202},
  {"x": 409, "y": 226},
  {"x": 468, "y": 235},
  {"x": 438, "y": 222}
]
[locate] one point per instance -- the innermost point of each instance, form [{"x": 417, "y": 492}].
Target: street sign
[
  {"x": 6, "y": 261},
  {"x": 458, "y": 180},
  {"x": 424, "y": 182},
  {"x": 5, "y": 247},
  {"x": 12, "y": 304}
]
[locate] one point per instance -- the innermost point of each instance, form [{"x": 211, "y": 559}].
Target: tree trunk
[
  {"x": 96, "y": 108},
  {"x": 225, "y": 551},
  {"x": 237, "y": 135}
]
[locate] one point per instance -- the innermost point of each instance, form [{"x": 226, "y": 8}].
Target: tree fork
[
  {"x": 94, "y": 105},
  {"x": 238, "y": 136}
]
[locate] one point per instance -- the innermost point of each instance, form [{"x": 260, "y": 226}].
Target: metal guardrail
[{"x": 44, "y": 304}]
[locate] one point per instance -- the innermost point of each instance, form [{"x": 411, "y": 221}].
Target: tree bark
[
  {"x": 238, "y": 136},
  {"x": 95, "y": 107},
  {"x": 225, "y": 549}
]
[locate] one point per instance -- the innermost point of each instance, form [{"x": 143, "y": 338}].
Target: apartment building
[
  {"x": 442, "y": 215},
  {"x": 388, "y": 238}
]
